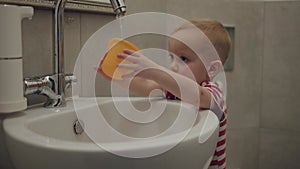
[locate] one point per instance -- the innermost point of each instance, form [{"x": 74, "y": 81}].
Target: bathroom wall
[{"x": 280, "y": 113}]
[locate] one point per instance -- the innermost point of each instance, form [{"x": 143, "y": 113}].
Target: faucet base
[{"x": 55, "y": 103}]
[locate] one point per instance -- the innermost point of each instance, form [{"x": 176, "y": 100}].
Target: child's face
[{"x": 184, "y": 61}]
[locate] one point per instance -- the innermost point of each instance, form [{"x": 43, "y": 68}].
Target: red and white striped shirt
[
  {"x": 219, "y": 108},
  {"x": 219, "y": 158}
]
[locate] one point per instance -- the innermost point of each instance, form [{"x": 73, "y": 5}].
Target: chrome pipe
[{"x": 59, "y": 86}]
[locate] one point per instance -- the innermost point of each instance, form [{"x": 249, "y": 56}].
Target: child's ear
[{"x": 214, "y": 68}]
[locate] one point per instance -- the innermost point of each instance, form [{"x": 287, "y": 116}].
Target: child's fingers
[
  {"x": 127, "y": 66},
  {"x": 128, "y": 51},
  {"x": 129, "y": 75},
  {"x": 131, "y": 52},
  {"x": 128, "y": 57}
]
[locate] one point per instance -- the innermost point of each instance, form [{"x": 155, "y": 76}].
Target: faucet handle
[{"x": 69, "y": 80}]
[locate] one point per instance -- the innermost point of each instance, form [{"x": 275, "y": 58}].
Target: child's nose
[{"x": 174, "y": 67}]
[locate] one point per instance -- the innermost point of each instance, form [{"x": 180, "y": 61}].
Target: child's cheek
[{"x": 186, "y": 71}]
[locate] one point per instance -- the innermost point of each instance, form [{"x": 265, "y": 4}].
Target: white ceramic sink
[{"x": 45, "y": 138}]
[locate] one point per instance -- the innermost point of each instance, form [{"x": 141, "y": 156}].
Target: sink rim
[{"x": 18, "y": 123}]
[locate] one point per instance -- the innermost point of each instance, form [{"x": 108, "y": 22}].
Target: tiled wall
[{"x": 280, "y": 113}]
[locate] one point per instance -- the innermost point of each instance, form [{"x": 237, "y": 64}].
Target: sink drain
[{"x": 78, "y": 127}]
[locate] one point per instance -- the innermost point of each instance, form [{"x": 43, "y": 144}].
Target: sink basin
[{"x": 118, "y": 133}]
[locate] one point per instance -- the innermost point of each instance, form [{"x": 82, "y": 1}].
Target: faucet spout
[{"x": 119, "y": 7}]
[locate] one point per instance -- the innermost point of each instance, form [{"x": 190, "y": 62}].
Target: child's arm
[
  {"x": 173, "y": 82},
  {"x": 138, "y": 85},
  {"x": 144, "y": 87}
]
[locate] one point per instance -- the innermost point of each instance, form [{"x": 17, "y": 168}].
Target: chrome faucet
[
  {"x": 53, "y": 86},
  {"x": 119, "y": 7}
]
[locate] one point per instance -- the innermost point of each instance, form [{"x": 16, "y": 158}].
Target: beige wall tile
[
  {"x": 90, "y": 23},
  {"x": 71, "y": 43},
  {"x": 279, "y": 149},
  {"x": 71, "y": 40},
  {"x": 244, "y": 82},
  {"x": 37, "y": 44},
  {"x": 279, "y": 142},
  {"x": 135, "y": 6},
  {"x": 281, "y": 80},
  {"x": 242, "y": 148},
  {"x": 220, "y": 10}
]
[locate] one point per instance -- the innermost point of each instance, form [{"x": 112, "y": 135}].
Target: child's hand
[
  {"x": 141, "y": 66},
  {"x": 125, "y": 83}
]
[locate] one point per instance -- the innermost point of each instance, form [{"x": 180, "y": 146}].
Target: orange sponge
[{"x": 110, "y": 61}]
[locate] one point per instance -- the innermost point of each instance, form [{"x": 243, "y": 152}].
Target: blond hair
[{"x": 215, "y": 32}]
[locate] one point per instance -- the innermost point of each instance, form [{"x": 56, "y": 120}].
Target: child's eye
[
  {"x": 184, "y": 59},
  {"x": 171, "y": 57}
]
